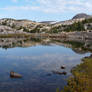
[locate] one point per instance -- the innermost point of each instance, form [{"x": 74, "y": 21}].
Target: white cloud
[
  {"x": 12, "y": 8},
  {"x": 55, "y": 6},
  {"x": 66, "y": 5}
]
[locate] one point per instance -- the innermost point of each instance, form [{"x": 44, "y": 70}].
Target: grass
[{"x": 82, "y": 77}]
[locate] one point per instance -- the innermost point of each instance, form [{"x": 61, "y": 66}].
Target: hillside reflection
[{"x": 77, "y": 46}]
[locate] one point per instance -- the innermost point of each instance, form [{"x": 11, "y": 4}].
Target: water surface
[{"x": 36, "y": 64}]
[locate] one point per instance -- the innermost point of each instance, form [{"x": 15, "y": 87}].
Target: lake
[{"x": 39, "y": 65}]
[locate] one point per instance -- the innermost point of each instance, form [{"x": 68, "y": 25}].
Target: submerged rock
[
  {"x": 63, "y": 67},
  {"x": 15, "y": 75},
  {"x": 64, "y": 73},
  {"x": 49, "y": 74},
  {"x": 91, "y": 56},
  {"x": 60, "y": 73}
]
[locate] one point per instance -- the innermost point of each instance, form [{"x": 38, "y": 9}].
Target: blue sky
[{"x": 44, "y": 10}]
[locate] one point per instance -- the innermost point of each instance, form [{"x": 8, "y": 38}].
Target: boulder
[
  {"x": 60, "y": 73},
  {"x": 15, "y": 75},
  {"x": 63, "y": 67}
]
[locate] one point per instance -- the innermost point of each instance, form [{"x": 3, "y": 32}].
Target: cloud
[
  {"x": 66, "y": 5},
  {"x": 53, "y": 6},
  {"x": 12, "y": 8}
]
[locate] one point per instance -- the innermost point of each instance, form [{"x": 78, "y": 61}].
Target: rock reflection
[{"x": 79, "y": 46}]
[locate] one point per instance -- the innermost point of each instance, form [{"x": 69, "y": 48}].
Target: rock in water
[
  {"x": 63, "y": 67},
  {"x": 59, "y": 73},
  {"x": 15, "y": 75},
  {"x": 64, "y": 73}
]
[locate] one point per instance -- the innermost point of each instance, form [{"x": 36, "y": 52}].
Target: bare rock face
[
  {"x": 24, "y": 25},
  {"x": 81, "y": 15},
  {"x": 6, "y": 30}
]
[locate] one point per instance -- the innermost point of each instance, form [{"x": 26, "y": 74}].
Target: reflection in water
[
  {"x": 80, "y": 46},
  {"x": 36, "y": 62}
]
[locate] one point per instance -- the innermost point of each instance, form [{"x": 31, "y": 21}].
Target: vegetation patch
[
  {"x": 74, "y": 44},
  {"x": 82, "y": 77}
]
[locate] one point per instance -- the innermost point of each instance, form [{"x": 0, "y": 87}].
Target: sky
[{"x": 44, "y": 10}]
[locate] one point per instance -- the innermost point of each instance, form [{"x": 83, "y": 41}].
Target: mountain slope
[
  {"x": 81, "y": 15},
  {"x": 80, "y": 22}
]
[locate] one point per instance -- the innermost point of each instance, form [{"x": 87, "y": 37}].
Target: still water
[{"x": 36, "y": 64}]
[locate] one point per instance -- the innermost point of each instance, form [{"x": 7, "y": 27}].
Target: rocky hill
[
  {"x": 20, "y": 25},
  {"x": 78, "y": 23},
  {"x": 81, "y": 15},
  {"x": 77, "y": 18}
]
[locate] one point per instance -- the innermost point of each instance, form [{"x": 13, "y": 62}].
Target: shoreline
[
  {"x": 71, "y": 35},
  {"x": 81, "y": 80}
]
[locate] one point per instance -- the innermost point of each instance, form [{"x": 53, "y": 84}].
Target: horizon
[
  {"x": 44, "y": 10},
  {"x": 43, "y": 20}
]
